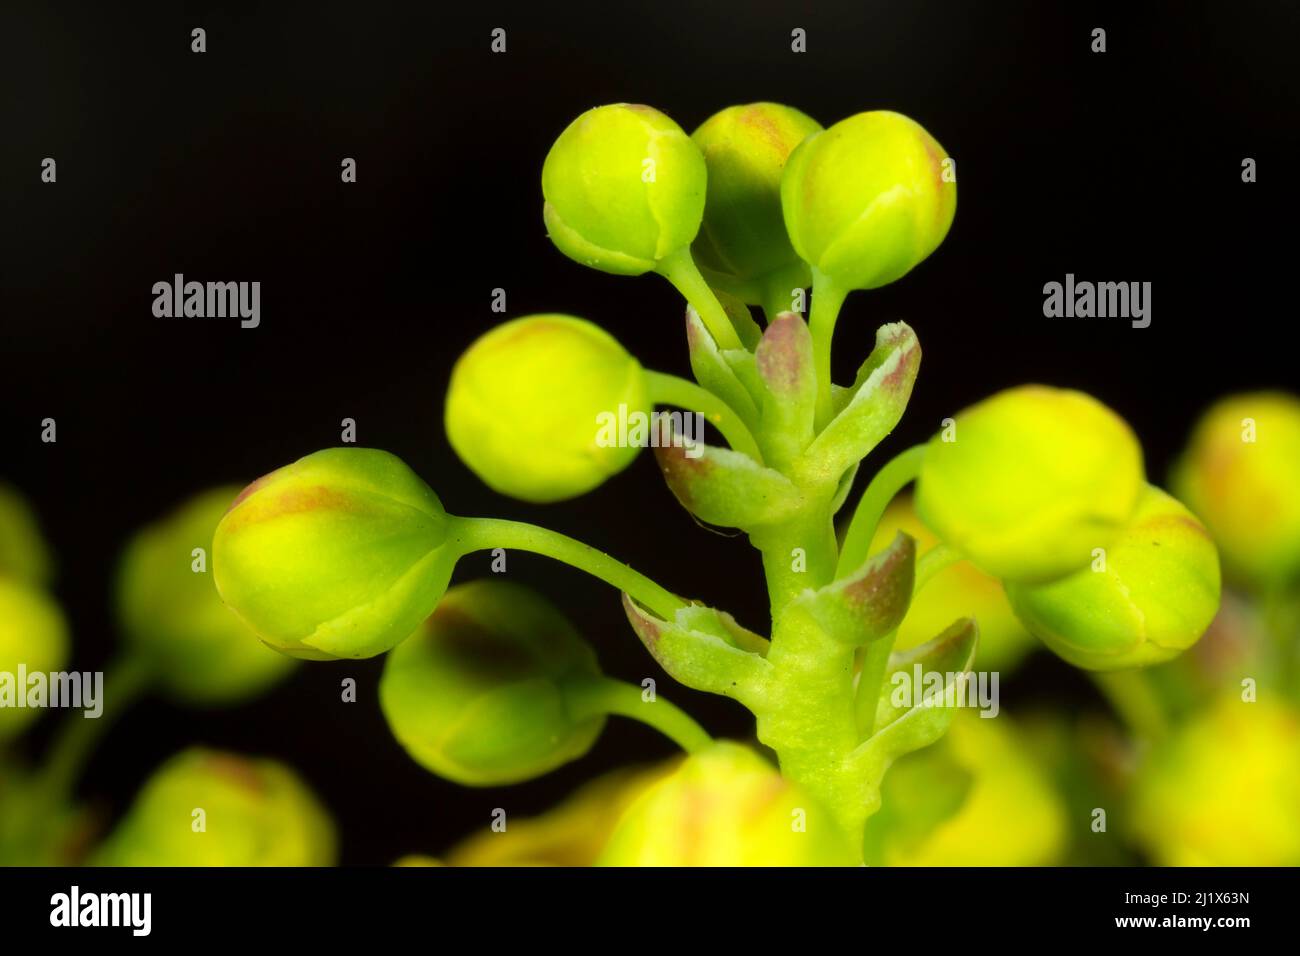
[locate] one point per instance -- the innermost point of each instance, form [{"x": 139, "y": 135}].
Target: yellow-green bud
[
  {"x": 726, "y": 806},
  {"x": 478, "y": 694},
  {"x": 33, "y": 636},
  {"x": 207, "y": 808},
  {"x": 868, "y": 199},
  {"x": 171, "y": 613},
  {"x": 23, "y": 553},
  {"x": 959, "y": 590},
  {"x": 340, "y": 555},
  {"x": 624, "y": 188},
  {"x": 1224, "y": 789},
  {"x": 743, "y": 248},
  {"x": 1241, "y": 475},
  {"x": 1027, "y": 483},
  {"x": 544, "y": 407},
  {"x": 1146, "y": 598}
]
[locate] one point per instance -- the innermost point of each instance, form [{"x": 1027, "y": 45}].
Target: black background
[{"x": 1122, "y": 166}]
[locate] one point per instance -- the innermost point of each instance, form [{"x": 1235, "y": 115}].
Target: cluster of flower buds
[{"x": 1045, "y": 489}]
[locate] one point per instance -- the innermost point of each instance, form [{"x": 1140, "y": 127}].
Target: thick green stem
[
  {"x": 589, "y": 697},
  {"x": 797, "y": 555},
  {"x": 897, "y": 473},
  {"x": 668, "y": 389},
  {"x": 827, "y": 299},
  {"x": 680, "y": 269},
  {"x": 479, "y": 534}
]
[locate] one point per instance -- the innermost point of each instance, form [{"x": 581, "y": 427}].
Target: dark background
[{"x": 225, "y": 166}]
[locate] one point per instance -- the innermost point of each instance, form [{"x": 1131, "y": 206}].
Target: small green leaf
[
  {"x": 871, "y": 602},
  {"x": 784, "y": 361},
  {"x": 880, "y": 394},
  {"x": 714, "y": 373},
  {"x": 704, "y": 649},
  {"x": 727, "y": 488}
]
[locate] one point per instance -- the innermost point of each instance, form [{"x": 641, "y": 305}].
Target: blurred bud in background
[
  {"x": 572, "y": 834},
  {"x": 478, "y": 694},
  {"x": 207, "y": 808},
  {"x": 959, "y": 590},
  {"x": 1028, "y": 482},
  {"x": 33, "y": 633},
  {"x": 1150, "y": 596},
  {"x": 171, "y": 615},
  {"x": 23, "y": 553},
  {"x": 1224, "y": 789},
  {"x": 726, "y": 806},
  {"x": 973, "y": 799},
  {"x": 1240, "y": 474}
]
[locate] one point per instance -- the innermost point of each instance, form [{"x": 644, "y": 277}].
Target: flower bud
[
  {"x": 1148, "y": 597},
  {"x": 207, "y": 808},
  {"x": 959, "y": 590},
  {"x": 743, "y": 247},
  {"x": 171, "y": 614},
  {"x": 624, "y": 188},
  {"x": 1240, "y": 475},
  {"x": 23, "y": 554},
  {"x": 726, "y": 806},
  {"x": 546, "y": 407},
  {"x": 866, "y": 200},
  {"x": 1028, "y": 482},
  {"x": 340, "y": 555},
  {"x": 33, "y": 636},
  {"x": 478, "y": 694},
  {"x": 1223, "y": 790}
]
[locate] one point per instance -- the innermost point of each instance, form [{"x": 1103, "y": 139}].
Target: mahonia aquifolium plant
[{"x": 346, "y": 553}]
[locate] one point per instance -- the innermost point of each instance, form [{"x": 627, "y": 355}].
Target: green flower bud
[
  {"x": 479, "y": 694},
  {"x": 340, "y": 555},
  {"x": 172, "y": 615},
  {"x": 959, "y": 590},
  {"x": 23, "y": 554},
  {"x": 624, "y": 188},
  {"x": 868, "y": 199},
  {"x": 1224, "y": 789},
  {"x": 726, "y": 806},
  {"x": 1029, "y": 481},
  {"x": 743, "y": 248},
  {"x": 32, "y": 635},
  {"x": 1240, "y": 474},
  {"x": 1150, "y": 596},
  {"x": 535, "y": 407},
  {"x": 206, "y": 808}
]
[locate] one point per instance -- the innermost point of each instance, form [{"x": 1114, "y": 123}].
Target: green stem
[
  {"x": 827, "y": 298},
  {"x": 590, "y": 697},
  {"x": 1135, "y": 701},
  {"x": 897, "y": 473},
  {"x": 479, "y": 534},
  {"x": 777, "y": 298},
  {"x": 931, "y": 563},
  {"x": 668, "y": 389},
  {"x": 125, "y": 680},
  {"x": 680, "y": 269}
]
